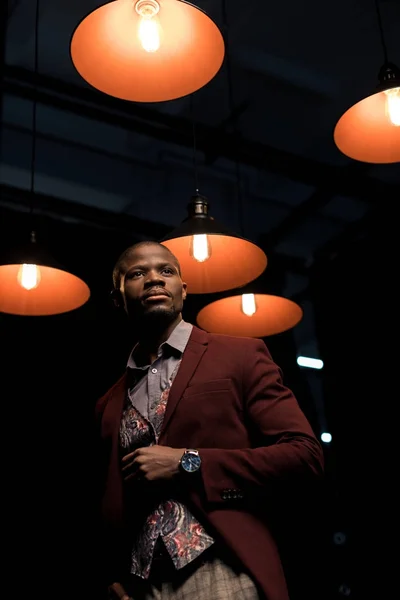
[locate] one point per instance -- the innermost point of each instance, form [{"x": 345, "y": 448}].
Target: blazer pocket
[{"x": 216, "y": 385}]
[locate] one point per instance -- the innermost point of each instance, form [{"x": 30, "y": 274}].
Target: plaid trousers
[{"x": 204, "y": 580}]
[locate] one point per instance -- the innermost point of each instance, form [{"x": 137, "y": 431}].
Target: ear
[
  {"x": 184, "y": 291},
  {"x": 116, "y": 298}
]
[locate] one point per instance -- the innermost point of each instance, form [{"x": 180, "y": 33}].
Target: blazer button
[{"x": 231, "y": 494}]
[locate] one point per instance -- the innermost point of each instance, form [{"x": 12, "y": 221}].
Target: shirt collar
[{"x": 177, "y": 340}]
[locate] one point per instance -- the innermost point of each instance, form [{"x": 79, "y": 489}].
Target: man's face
[{"x": 151, "y": 286}]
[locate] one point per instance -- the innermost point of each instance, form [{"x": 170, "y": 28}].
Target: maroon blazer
[{"x": 229, "y": 402}]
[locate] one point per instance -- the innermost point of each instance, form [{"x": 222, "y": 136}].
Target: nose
[{"x": 154, "y": 278}]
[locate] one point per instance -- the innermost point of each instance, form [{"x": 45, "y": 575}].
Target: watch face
[{"x": 191, "y": 462}]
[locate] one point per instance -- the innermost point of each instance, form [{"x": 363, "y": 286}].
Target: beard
[{"x": 154, "y": 321}]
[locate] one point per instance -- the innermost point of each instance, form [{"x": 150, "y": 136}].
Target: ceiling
[{"x": 264, "y": 124}]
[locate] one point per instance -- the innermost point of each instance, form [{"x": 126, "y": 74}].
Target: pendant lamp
[
  {"x": 245, "y": 313},
  {"x": 147, "y": 50},
  {"x": 212, "y": 258},
  {"x": 33, "y": 284},
  {"x": 369, "y": 131},
  {"x": 250, "y": 315}
]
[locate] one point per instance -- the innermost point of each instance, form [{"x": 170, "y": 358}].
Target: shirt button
[{"x": 154, "y": 370}]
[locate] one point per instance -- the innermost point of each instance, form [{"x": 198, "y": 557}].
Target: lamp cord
[
  {"x": 384, "y": 48},
  {"x": 34, "y": 109},
  {"x": 231, "y": 105},
  {"x": 195, "y": 169}
]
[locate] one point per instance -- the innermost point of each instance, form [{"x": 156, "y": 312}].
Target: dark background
[{"x": 111, "y": 173}]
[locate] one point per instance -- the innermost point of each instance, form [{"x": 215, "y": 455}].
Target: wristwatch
[{"x": 190, "y": 461}]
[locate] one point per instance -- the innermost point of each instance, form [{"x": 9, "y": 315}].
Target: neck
[{"x": 151, "y": 339}]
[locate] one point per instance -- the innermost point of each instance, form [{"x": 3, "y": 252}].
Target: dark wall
[
  {"x": 52, "y": 371},
  {"x": 357, "y": 321}
]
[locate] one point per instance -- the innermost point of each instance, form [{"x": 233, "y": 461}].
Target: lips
[{"x": 154, "y": 294}]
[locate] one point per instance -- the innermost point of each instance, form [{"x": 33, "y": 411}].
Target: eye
[
  {"x": 134, "y": 274},
  {"x": 168, "y": 270}
]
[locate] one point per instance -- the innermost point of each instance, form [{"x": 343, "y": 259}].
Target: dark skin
[{"x": 152, "y": 294}]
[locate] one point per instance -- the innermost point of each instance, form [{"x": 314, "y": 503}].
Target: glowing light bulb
[
  {"x": 200, "y": 248},
  {"x": 249, "y": 304},
  {"x": 148, "y": 31},
  {"x": 393, "y": 105},
  {"x": 29, "y": 276}
]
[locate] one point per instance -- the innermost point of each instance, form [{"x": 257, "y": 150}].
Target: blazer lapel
[
  {"x": 113, "y": 409},
  {"x": 192, "y": 355}
]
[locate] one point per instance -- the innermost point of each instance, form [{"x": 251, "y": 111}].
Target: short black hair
[{"x": 126, "y": 254}]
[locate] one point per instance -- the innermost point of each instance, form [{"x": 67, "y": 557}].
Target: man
[{"x": 199, "y": 438}]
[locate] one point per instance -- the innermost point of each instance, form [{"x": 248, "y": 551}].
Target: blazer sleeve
[{"x": 288, "y": 451}]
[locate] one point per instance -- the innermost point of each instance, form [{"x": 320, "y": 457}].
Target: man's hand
[
  {"x": 117, "y": 592},
  {"x": 152, "y": 463}
]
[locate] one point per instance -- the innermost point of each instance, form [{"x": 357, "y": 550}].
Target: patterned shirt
[{"x": 183, "y": 536}]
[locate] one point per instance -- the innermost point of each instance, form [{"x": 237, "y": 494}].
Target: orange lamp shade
[
  {"x": 212, "y": 258},
  {"x": 369, "y": 131},
  {"x": 233, "y": 262},
  {"x": 54, "y": 291},
  {"x": 147, "y": 50},
  {"x": 33, "y": 284},
  {"x": 270, "y": 315}
]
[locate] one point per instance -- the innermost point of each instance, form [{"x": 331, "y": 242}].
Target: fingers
[
  {"x": 132, "y": 470},
  {"x": 130, "y": 461},
  {"x": 128, "y": 467},
  {"x": 143, "y": 451},
  {"x": 118, "y": 591},
  {"x": 129, "y": 456},
  {"x": 135, "y": 460},
  {"x": 133, "y": 463}
]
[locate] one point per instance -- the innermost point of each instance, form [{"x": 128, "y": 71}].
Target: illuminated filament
[
  {"x": 200, "y": 248},
  {"x": 29, "y": 276},
  {"x": 148, "y": 32},
  {"x": 393, "y": 105},
  {"x": 249, "y": 304}
]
